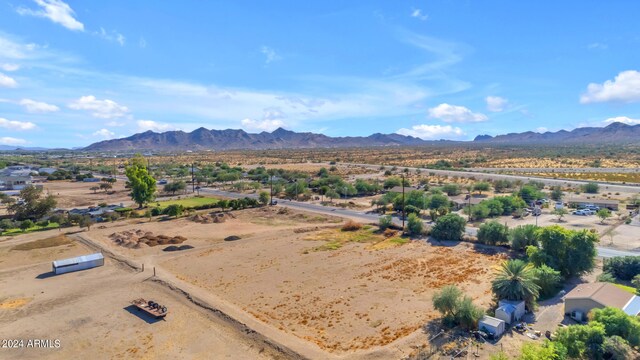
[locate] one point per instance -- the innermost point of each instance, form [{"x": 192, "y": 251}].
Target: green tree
[
  {"x": 529, "y": 193},
  {"x": 175, "y": 187},
  {"x": 481, "y": 186},
  {"x": 571, "y": 252},
  {"x": 493, "y": 233},
  {"x": 468, "y": 313},
  {"x": 522, "y": 236},
  {"x": 263, "y": 197},
  {"x": 332, "y": 194},
  {"x": 582, "y": 341},
  {"x": 385, "y": 222},
  {"x": 449, "y": 227},
  {"x": 451, "y": 189},
  {"x": 479, "y": 211},
  {"x": 414, "y": 225},
  {"x": 556, "y": 193},
  {"x": 223, "y": 203},
  {"x": 617, "y": 322},
  {"x": 591, "y": 188},
  {"x": 546, "y": 351},
  {"x": 438, "y": 201},
  {"x": 33, "y": 206},
  {"x": 603, "y": 214},
  {"x": 142, "y": 185},
  {"x": 392, "y": 181},
  {"x": 85, "y": 221},
  {"x": 26, "y": 225},
  {"x": 548, "y": 280},
  {"x": 516, "y": 280},
  {"x": 174, "y": 210},
  {"x": 560, "y": 213},
  {"x": 615, "y": 347},
  {"x": 446, "y": 301}
]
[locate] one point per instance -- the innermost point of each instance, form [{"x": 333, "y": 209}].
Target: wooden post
[
  {"x": 154, "y": 271},
  {"x": 143, "y": 267}
]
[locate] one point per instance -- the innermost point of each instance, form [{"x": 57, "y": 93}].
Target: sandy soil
[
  {"x": 89, "y": 313},
  {"x": 343, "y": 300},
  {"x": 78, "y": 194}
]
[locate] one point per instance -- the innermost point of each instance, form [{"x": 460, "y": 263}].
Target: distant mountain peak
[{"x": 613, "y": 133}]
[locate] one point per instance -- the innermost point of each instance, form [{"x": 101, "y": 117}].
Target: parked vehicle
[{"x": 580, "y": 213}]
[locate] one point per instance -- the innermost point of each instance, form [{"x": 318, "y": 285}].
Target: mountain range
[{"x": 230, "y": 139}]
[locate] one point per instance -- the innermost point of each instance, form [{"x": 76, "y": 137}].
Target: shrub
[
  {"x": 623, "y": 268},
  {"x": 493, "y": 233},
  {"x": 156, "y": 211},
  {"x": 415, "y": 225},
  {"x": 26, "y": 225},
  {"x": 606, "y": 277},
  {"x": 351, "y": 226},
  {"x": 590, "y": 188},
  {"x": 449, "y": 227},
  {"x": 385, "y": 222}
]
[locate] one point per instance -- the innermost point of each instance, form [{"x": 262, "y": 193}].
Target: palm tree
[{"x": 515, "y": 280}]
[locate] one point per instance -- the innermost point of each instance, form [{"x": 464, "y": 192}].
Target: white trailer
[{"x": 78, "y": 263}]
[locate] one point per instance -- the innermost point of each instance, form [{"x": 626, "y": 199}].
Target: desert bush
[{"x": 351, "y": 226}]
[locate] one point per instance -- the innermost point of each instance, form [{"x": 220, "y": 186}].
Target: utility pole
[
  {"x": 193, "y": 180},
  {"x": 271, "y": 190},
  {"x": 402, "y": 203},
  {"x": 469, "y": 204}
]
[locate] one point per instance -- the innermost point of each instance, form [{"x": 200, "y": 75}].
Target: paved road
[
  {"x": 329, "y": 210},
  {"x": 492, "y": 176}
]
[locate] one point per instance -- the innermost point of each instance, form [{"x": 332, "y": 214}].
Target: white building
[
  {"x": 510, "y": 311},
  {"x": 491, "y": 325},
  {"x": 78, "y": 263}
]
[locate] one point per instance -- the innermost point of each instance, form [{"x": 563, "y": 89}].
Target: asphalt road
[
  {"x": 330, "y": 210},
  {"x": 492, "y": 176}
]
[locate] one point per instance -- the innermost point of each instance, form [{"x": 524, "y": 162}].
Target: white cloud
[
  {"x": 9, "y": 67},
  {"x": 542, "y": 129},
  {"x": 11, "y": 141},
  {"x": 112, "y": 36},
  {"x": 262, "y": 125},
  {"x": 56, "y": 11},
  {"x": 622, "y": 119},
  {"x": 142, "y": 43},
  {"x": 33, "y": 106},
  {"x": 431, "y": 132},
  {"x": 144, "y": 125},
  {"x": 270, "y": 54},
  {"x": 16, "y": 125},
  {"x": 455, "y": 113},
  {"x": 597, "y": 46},
  {"x": 104, "y": 133},
  {"x": 418, "y": 14},
  {"x": 105, "y": 109},
  {"x": 624, "y": 88},
  {"x": 6, "y": 81},
  {"x": 496, "y": 103}
]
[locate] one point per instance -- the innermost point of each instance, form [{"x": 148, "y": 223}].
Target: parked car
[{"x": 580, "y": 212}]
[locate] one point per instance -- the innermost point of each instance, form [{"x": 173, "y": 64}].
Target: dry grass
[
  {"x": 14, "y": 303},
  {"x": 44, "y": 243},
  {"x": 351, "y": 226}
]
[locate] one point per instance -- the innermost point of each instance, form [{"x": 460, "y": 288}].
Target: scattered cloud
[
  {"x": 115, "y": 123},
  {"x": 261, "y": 125},
  {"x": 622, "y": 119},
  {"x": 33, "y": 106},
  {"x": 55, "y": 10},
  {"x": 144, "y": 125},
  {"x": 455, "y": 113},
  {"x": 6, "y": 81},
  {"x": 597, "y": 46},
  {"x": 496, "y": 103},
  {"x": 112, "y": 36},
  {"x": 11, "y": 141},
  {"x": 270, "y": 54},
  {"x": 431, "y": 132},
  {"x": 16, "y": 125},
  {"x": 105, "y": 109},
  {"x": 542, "y": 129},
  {"x": 9, "y": 67},
  {"x": 418, "y": 14},
  {"x": 142, "y": 43},
  {"x": 624, "y": 88},
  {"x": 104, "y": 133}
]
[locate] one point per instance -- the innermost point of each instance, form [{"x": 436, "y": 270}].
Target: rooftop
[{"x": 605, "y": 294}]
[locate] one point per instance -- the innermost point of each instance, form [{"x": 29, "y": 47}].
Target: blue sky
[{"x": 76, "y": 72}]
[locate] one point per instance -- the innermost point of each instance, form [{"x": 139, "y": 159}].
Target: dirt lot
[
  {"x": 343, "y": 300},
  {"x": 89, "y": 313},
  {"x": 79, "y": 194}
]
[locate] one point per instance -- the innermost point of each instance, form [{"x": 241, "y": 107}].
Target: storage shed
[
  {"x": 78, "y": 263},
  {"x": 510, "y": 311},
  {"x": 491, "y": 325}
]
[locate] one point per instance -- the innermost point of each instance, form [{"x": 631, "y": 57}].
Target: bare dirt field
[
  {"x": 79, "y": 194},
  {"x": 89, "y": 312},
  {"x": 345, "y": 300}
]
